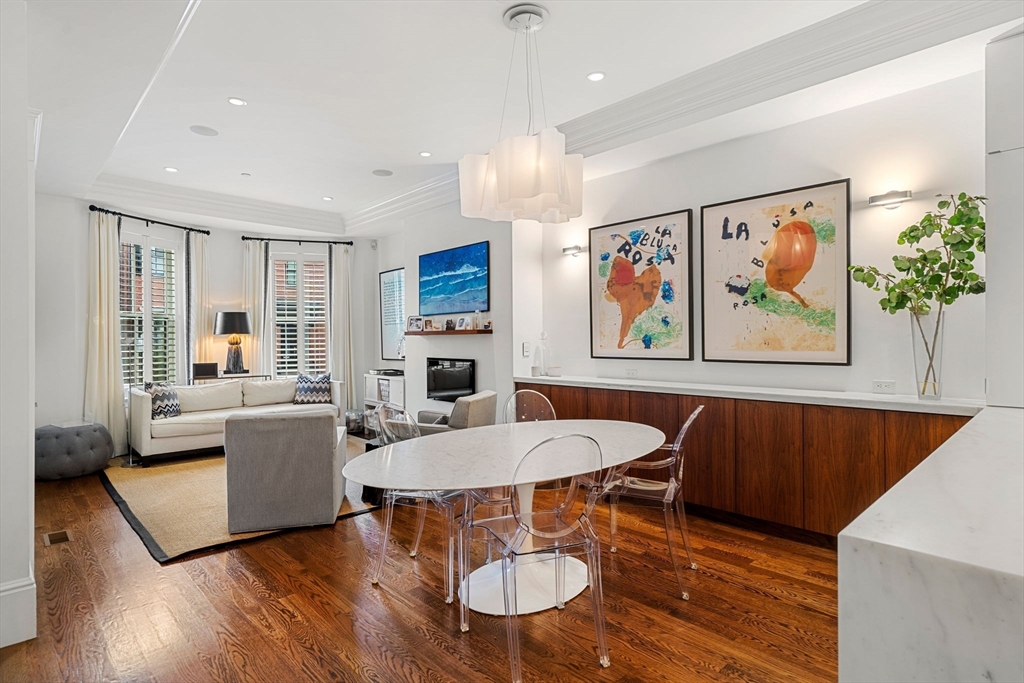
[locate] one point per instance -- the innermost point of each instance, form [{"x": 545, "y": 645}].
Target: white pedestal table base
[{"x": 535, "y": 585}]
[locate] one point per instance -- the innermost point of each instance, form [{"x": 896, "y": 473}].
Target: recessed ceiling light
[
  {"x": 246, "y": 175},
  {"x": 237, "y": 101},
  {"x": 203, "y": 130},
  {"x": 328, "y": 199},
  {"x": 595, "y": 76},
  {"x": 424, "y": 154},
  {"x": 382, "y": 172},
  {"x": 170, "y": 169}
]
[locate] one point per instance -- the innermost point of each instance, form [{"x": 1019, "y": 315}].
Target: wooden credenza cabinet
[{"x": 807, "y": 466}]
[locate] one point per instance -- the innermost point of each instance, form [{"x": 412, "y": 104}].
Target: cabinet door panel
[
  {"x": 709, "y": 463},
  {"x": 912, "y": 437},
  {"x": 570, "y": 403},
  {"x": 607, "y": 404},
  {"x": 660, "y": 411},
  {"x": 769, "y": 461},
  {"x": 844, "y": 465}
]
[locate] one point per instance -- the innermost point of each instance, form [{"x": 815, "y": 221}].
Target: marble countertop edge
[{"x": 898, "y": 402}]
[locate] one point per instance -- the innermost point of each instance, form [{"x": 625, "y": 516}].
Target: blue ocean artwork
[
  {"x": 455, "y": 280},
  {"x": 668, "y": 294},
  {"x": 605, "y": 256},
  {"x": 635, "y": 236}
]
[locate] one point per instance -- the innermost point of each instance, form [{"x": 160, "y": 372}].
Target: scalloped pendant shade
[{"x": 523, "y": 177}]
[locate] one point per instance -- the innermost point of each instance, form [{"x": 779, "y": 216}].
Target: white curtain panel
[
  {"x": 258, "y": 347},
  {"x": 341, "y": 317},
  {"x": 201, "y": 324},
  {"x": 104, "y": 380}
]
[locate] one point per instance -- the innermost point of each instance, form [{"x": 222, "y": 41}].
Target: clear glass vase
[{"x": 927, "y": 330}]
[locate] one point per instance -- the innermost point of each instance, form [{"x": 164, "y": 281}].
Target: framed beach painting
[
  {"x": 641, "y": 300},
  {"x": 455, "y": 280},
  {"x": 774, "y": 271}
]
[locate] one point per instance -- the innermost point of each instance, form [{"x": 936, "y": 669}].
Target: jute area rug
[{"x": 180, "y": 506}]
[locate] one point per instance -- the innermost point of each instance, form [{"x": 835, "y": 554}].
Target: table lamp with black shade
[{"x": 233, "y": 323}]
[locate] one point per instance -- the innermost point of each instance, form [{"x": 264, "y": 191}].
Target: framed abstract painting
[
  {"x": 641, "y": 300},
  {"x": 775, "y": 283}
]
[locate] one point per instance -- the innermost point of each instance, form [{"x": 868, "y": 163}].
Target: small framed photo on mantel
[{"x": 415, "y": 324}]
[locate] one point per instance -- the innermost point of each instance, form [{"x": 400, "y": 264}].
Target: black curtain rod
[
  {"x": 93, "y": 207},
  {"x": 246, "y": 238}
]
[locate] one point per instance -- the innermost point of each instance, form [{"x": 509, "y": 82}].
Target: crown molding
[
  {"x": 867, "y": 35},
  {"x": 417, "y": 199},
  {"x": 119, "y": 190}
]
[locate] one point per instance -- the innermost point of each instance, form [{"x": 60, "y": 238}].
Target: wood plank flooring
[{"x": 299, "y": 607}]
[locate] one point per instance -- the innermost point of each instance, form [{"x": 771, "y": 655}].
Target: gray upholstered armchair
[
  {"x": 283, "y": 470},
  {"x": 477, "y": 410}
]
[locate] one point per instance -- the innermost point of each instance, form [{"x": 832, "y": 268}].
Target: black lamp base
[{"x": 234, "y": 364}]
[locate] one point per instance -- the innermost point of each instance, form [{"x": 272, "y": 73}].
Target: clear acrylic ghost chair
[
  {"x": 670, "y": 494},
  {"x": 555, "y": 533},
  {"x": 527, "y": 405},
  {"x": 395, "y": 424}
]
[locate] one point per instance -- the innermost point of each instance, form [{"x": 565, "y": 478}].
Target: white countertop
[
  {"x": 965, "y": 502},
  {"x": 848, "y": 399},
  {"x": 931, "y": 576}
]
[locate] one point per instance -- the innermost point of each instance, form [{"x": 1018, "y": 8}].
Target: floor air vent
[{"x": 55, "y": 537}]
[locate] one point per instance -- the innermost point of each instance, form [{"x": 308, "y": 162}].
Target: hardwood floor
[{"x": 299, "y": 606}]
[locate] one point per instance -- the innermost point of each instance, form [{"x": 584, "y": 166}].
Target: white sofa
[{"x": 205, "y": 407}]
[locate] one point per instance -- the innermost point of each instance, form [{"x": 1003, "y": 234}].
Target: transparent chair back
[
  {"x": 528, "y": 405},
  {"x": 395, "y": 424}
]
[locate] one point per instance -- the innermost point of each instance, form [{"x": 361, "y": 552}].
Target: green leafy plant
[{"x": 935, "y": 276}]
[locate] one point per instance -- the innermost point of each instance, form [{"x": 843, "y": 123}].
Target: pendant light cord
[
  {"x": 529, "y": 80},
  {"x": 508, "y": 80},
  {"x": 540, "y": 82}
]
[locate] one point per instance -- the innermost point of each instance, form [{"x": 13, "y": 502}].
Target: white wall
[
  {"x": 17, "y": 335},
  {"x": 1004, "y": 91},
  {"x": 444, "y": 228},
  {"x": 929, "y": 140}
]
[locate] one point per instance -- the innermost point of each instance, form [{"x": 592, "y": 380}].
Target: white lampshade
[{"x": 523, "y": 177}]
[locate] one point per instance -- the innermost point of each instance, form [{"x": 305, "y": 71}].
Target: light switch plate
[{"x": 526, "y": 349}]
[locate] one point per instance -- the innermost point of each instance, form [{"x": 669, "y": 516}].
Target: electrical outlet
[
  {"x": 526, "y": 349},
  {"x": 883, "y": 386},
  {"x": 631, "y": 374}
]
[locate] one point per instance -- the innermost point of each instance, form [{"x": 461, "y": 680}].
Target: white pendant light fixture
[{"x": 524, "y": 176}]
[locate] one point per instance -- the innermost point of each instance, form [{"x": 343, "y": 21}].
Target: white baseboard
[{"x": 17, "y": 611}]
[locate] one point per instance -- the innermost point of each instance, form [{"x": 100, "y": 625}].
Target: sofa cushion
[
  {"x": 256, "y": 393},
  {"x": 313, "y": 389},
  {"x": 210, "y": 396},
  {"x": 212, "y": 421},
  {"x": 165, "y": 400}
]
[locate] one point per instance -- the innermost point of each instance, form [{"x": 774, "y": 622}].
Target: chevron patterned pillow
[
  {"x": 165, "y": 399},
  {"x": 313, "y": 389}
]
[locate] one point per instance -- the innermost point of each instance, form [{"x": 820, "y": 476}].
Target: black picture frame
[
  {"x": 380, "y": 308},
  {"x": 689, "y": 280},
  {"x": 703, "y": 288},
  {"x": 441, "y": 251}
]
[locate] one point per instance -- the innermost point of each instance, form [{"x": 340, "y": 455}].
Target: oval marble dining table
[{"x": 486, "y": 457}]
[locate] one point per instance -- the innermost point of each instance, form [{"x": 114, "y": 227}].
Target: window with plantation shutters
[
  {"x": 300, "y": 315},
  {"x": 149, "y": 311}
]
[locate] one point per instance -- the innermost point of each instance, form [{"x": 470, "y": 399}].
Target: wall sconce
[
  {"x": 890, "y": 200},
  {"x": 574, "y": 250}
]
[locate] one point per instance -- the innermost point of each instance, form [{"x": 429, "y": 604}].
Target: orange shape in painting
[
  {"x": 634, "y": 294},
  {"x": 789, "y": 257}
]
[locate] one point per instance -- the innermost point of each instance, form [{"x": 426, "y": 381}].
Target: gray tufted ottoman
[{"x": 65, "y": 452}]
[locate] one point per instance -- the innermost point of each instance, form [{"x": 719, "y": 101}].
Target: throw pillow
[
  {"x": 165, "y": 400},
  {"x": 313, "y": 389}
]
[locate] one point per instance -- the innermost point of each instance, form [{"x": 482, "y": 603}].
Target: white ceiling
[{"x": 337, "y": 89}]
